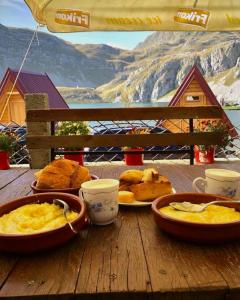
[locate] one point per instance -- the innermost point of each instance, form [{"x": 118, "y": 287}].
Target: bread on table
[
  {"x": 148, "y": 191},
  {"x": 132, "y": 176},
  {"x": 62, "y": 174},
  {"x": 80, "y": 175},
  {"x": 146, "y": 185}
]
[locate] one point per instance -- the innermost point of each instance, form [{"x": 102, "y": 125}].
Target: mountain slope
[
  {"x": 167, "y": 57},
  {"x": 65, "y": 63}
]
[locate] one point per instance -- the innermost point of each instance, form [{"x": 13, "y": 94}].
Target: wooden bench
[{"x": 50, "y": 141}]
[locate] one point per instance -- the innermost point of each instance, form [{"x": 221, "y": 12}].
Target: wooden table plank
[
  {"x": 8, "y": 176},
  {"x": 46, "y": 274},
  {"x": 17, "y": 188},
  {"x": 130, "y": 259},
  {"x": 115, "y": 259}
]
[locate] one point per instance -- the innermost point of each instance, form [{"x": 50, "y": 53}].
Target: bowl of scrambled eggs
[
  {"x": 35, "y": 223},
  {"x": 216, "y": 224}
]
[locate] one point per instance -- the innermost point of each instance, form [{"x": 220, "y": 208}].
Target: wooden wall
[
  {"x": 15, "y": 110},
  {"x": 194, "y": 89}
]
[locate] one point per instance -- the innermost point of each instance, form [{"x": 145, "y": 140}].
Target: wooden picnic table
[{"x": 130, "y": 259}]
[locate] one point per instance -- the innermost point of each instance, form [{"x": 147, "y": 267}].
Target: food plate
[
  {"x": 141, "y": 203},
  {"x": 192, "y": 231},
  {"x": 28, "y": 243},
  {"x": 73, "y": 191}
]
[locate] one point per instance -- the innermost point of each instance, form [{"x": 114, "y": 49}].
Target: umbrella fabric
[{"x": 131, "y": 15}]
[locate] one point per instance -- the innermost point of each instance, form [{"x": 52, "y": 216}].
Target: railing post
[
  {"x": 39, "y": 157},
  {"x": 191, "y": 129}
]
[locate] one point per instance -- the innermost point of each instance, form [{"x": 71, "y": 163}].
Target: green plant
[
  {"x": 72, "y": 128},
  {"x": 217, "y": 126},
  {"x": 7, "y": 141}
]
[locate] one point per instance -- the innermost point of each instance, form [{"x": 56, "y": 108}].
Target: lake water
[{"x": 233, "y": 115}]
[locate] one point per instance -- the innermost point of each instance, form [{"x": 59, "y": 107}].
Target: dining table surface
[{"x": 128, "y": 259}]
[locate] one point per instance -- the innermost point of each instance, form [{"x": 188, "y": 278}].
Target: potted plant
[
  {"x": 134, "y": 159},
  {"x": 73, "y": 128},
  {"x": 204, "y": 154},
  {"x": 7, "y": 143}
]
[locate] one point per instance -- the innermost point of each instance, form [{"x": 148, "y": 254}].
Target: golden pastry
[
  {"x": 126, "y": 197},
  {"x": 79, "y": 176},
  {"x": 132, "y": 176},
  {"x": 148, "y": 191}
]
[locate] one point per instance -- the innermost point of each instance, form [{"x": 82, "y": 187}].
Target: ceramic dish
[
  {"x": 74, "y": 191},
  {"x": 27, "y": 243},
  {"x": 141, "y": 203},
  {"x": 195, "y": 232}
]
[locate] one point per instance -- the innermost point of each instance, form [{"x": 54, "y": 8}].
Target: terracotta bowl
[
  {"x": 27, "y": 243},
  {"x": 195, "y": 232},
  {"x": 73, "y": 191}
]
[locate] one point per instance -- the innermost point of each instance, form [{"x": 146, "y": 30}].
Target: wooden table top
[{"x": 130, "y": 259}]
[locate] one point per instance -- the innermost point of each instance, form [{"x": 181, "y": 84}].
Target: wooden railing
[{"x": 124, "y": 114}]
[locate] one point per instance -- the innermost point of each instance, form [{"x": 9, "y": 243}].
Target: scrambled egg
[
  {"x": 211, "y": 215},
  {"x": 33, "y": 218}
]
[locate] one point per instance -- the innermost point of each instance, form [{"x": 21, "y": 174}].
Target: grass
[{"x": 232, "y": 107}]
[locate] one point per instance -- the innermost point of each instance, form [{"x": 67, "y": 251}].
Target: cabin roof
[
  {"x": 194, "y": 73},
  {"x": 30, "y": 82}
]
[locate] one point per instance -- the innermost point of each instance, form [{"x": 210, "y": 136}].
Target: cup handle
[
  {"x": 87, "y": 220},
  {"x": 202, "y": 183}
]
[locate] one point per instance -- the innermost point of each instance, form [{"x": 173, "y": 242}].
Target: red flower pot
[
  {"x": 204, "y": 157},
  {"x": 4, "y": 160},
  {"x": 76, "y": 157},
  {"x": 135, "y": 159}
]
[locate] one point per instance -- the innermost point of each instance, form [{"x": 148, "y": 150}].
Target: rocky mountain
[
  {"x": 167, "y": 57},
  {"x": 66, "y": 64},
  {"x": 150, "y": 72}
]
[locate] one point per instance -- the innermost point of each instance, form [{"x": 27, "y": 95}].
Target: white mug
[
  {"x": 218, "y": 181},
  {"x": 101, "y": 198}
]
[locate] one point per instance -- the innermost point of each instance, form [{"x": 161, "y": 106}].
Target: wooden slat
[
  {"x": 10, "y": 175},
  {"x": 118, "y": 114},
  {"x": 111, "y": 140}
]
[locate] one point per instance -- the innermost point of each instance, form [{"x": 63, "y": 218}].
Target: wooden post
[{"x": 39, "y": 157}]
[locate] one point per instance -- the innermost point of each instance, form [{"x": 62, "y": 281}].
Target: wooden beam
[
  {"x": 121, "y": 114},
  {"x": 111, "y": 140}
]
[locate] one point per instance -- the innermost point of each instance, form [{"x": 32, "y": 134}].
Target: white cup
[
  {"x": 218, "y": 181},
  {"x": 101, "y": 198}
]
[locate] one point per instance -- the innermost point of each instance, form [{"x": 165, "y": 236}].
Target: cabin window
[{"x": 193, "y": 98}]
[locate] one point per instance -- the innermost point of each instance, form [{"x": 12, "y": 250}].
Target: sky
[{"x": 15, "y": 13}]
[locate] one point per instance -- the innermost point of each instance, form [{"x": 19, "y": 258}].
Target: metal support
[
  {"x": 53, "y": 154},
  {"x": 191, "y": 129}
]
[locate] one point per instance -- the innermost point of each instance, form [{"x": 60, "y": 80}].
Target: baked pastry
[
  {"x": 126, "y": 197},
  {"x": 148, "y": 191},
  {"x": 132, "y": 176},
  {"x": 52, "y": 178},
  {"x": 146, "y": 185},
  {"x": 62, "y": 174},
  {"x": 79, "y": 176}
]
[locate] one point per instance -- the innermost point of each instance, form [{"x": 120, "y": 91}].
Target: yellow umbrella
[{"x": 129, "y": 15}]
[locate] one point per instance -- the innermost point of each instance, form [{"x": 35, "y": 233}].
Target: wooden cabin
[
  {"x": 194, "y": 91},
  {"x": 12, "y": 109}
]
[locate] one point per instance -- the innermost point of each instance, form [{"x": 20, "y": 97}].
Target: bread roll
[
  {"x": 79, "y": 176},
  {"x": 67, "y": 166},
  {"x": 52, "y": 178},
  {"x": 131, "y": 176},
  {"x": 148, "y": 191}
]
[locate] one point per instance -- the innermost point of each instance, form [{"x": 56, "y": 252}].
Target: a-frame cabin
[
  {"x": 194, "y": 91},
  {"x": 12, "y": 104}
]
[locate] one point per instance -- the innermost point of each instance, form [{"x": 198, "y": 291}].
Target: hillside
[
  {"x": 66, "y": 64},
  {"x": 166, "y": 59},
  {"x": 149, "y": 73}
]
